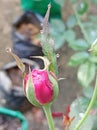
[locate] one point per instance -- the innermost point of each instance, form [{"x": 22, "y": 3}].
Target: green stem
[
  {"x": 88, "y": 109},
  {"x": 81, "y": 26},
  {"x": 48, "y": 114}
]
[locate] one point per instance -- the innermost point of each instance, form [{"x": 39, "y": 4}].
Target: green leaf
[
  {"x": 73, "y": 1},
  {"x": 56, "y": 25},
  {"x": 94, "y": 1},
  {"x": 95, "y": 125},
  {"x": 92, "y": 34},
  {"x": 59, "y": 41},
  {"x": 77, "y": 110},
  {"x": 86, "y": 73},
  {"x": 71, "y": 22},
  {"x": 57, "y": 33},
  {"x": 88, "y": 92},
  {"x": 93, "y": 59},
  {"x": 89, "y": 25},
  {"x": 91, "y": 29},
  {"x": 69, "y": 35},
  {"x": 78, "y": 58},
  {"x": 79, "y": 45},
  {"x": 60, "y": 2},
  {"x": 82, "y": 8},
  {"x": 92, "y": 18}
]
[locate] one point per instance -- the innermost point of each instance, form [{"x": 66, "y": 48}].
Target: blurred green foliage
[{"x": 86, "y": 62}]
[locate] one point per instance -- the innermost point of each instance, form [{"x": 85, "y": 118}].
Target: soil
[{"x": 69, "y": 87}]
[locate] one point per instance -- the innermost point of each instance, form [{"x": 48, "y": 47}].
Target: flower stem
[
  {"x": 88, "y": 109},
  {"x": 81, "y": 26},
  {"x": 48, "y": 114}
]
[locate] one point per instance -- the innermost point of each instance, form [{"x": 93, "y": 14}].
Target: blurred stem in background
[{"x": 88, "y": 109}]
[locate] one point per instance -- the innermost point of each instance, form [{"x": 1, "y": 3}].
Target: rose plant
[{"x": 41, "y": 85}]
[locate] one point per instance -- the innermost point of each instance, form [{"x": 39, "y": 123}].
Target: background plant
[
  {"x": 86, "y": 62},
  {"x": 83, "y": 20}
]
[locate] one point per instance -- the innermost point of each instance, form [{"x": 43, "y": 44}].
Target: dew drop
[
  {"x": 57, "y": 55},
  {"x": 41, "y": 31}
]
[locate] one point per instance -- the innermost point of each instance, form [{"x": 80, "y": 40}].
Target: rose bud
[{"x": 40, "y": 87}]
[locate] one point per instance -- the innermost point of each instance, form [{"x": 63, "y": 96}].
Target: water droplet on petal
[
  {"x": 41, "y": 31},
  {"x": 81, "y": 114}
]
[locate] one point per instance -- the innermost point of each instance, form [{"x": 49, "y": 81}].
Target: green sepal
[
  {"x": 55, "y": 86},
  {"x": 45, "y": 60},
  {"x": 19, "y": 62},
  {"x": 47, "y": 43},
  {"x": 48, "y": 51},
  {"x": 30, "y": 93}
]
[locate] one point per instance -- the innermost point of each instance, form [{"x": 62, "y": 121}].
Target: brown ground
[{"x": 69, "y": 88}]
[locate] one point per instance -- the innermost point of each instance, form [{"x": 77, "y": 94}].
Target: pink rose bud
[{"x": 40, "y": 87}]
